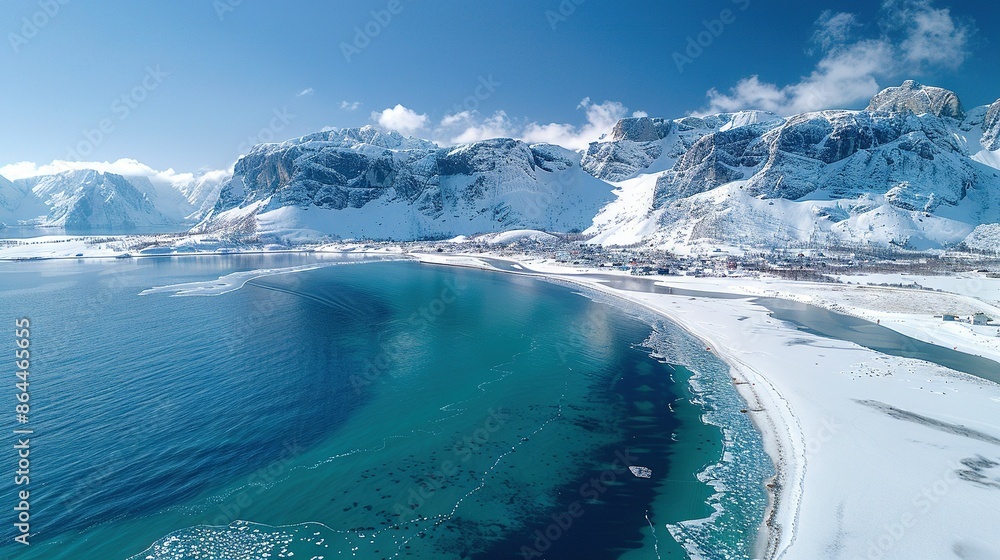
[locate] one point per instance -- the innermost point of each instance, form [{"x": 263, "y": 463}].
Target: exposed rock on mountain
[
  {"x": 366, "y": 183},
  {"x": 915, "y": 169},
  {"x": 900, "y": 173},
  {"x": 991, "y": 128},
  {"x": 649, "y": 145},
  {"x": 918, "y": 99}
]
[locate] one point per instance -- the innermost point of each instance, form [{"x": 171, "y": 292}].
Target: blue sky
[{"x": 190, "y": 84}]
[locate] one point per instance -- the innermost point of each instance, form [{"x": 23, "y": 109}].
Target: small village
[
  {"x": 978, "y": 319},
  {"x": 815, "y": 264}
]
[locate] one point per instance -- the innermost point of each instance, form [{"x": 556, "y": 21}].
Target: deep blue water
[{"x": 384, "y": 410}]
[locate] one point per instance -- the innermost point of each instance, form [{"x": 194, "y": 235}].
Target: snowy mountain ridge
[
  {"x": 86, "y": 199},
  {"x": 914, "y": 169},
  {"x": 991, "y": 128}
]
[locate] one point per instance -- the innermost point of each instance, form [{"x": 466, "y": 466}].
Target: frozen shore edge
[{"x": 783, "y": 439}]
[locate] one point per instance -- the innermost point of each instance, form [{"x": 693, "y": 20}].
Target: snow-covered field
[
  {"x": 68, "y": 247},
  {"x": 58, "y": 246},
  {"x": 914, "y": 313},
  {"x": 878, "y": 457}
]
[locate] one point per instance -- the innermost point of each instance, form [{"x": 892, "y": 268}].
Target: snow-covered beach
[{"x": 877, "y": 456}]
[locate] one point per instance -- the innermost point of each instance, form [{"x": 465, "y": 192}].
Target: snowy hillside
[
  {"x": 182, "y": 201},
  {"x": 984, "y": 238},
  {"x": 88, "y": 199},
  {"x": 913, "y": 170},
  {"x": 81, "y": 200},
  {"x": 368, "y": 183},
  {"x": 10, "y": 200}
]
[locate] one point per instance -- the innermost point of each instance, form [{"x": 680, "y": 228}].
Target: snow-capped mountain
[
  {"x": 368, "y": 183},
  {"x": 88, "y": 199},
  {"x": 9, "y": 195},
  {"x": 648, "y": 145},
  {"x": 914, "y": 169},
  {"x": 185, "y": 201}
]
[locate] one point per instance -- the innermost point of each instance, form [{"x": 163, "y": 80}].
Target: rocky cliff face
[
  {"x": 908, "y": 171},
  {"x": 991, "y": 128},
  {"x": 915, "y": 160},
  {"x": 899, "y": 172},
  {"x": 409, "y": 188},
  {"x": 644, "y": 145},
  {"x": 912, "y": 97}
]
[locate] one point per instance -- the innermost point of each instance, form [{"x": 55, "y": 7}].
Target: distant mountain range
[
  {"x": 914, "y": 169},
  {"x": 90, "y": 200}
]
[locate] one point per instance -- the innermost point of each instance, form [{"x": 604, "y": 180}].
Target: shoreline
[
  {"x": 879, "y": 433},
  {"x": 772, "y": 530},
  {"x": 778, "y": 486}
]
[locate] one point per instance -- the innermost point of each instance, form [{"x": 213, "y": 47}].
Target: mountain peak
[
  {"x": 368, "y": 135},
  {"x": 916, "y": 98},
  {"x": 641, "y": 129}
]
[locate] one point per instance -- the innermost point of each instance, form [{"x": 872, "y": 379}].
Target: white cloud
[
  {"x": 458, "y": 119},
  {"x": 834, "y": 29},
  {"x": 640, "y": 114},
  {"x": 915, "y": 37},
  {"x": 307, "y": 91},
  {"x": 841, "y": 78},
  {"x": 402, "y": 120},
  {"x": 350, "y": 105},
  {"x": 601, "y": 118},
  {"x": 126, "y": 167},
  {"x": 470, "y": 129},
  {"x": 469, "y": 126},
  {"x": 933, "y": 37}
]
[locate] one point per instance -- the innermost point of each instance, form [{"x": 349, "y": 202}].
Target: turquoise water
[{"x": 379, "y": 410}]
